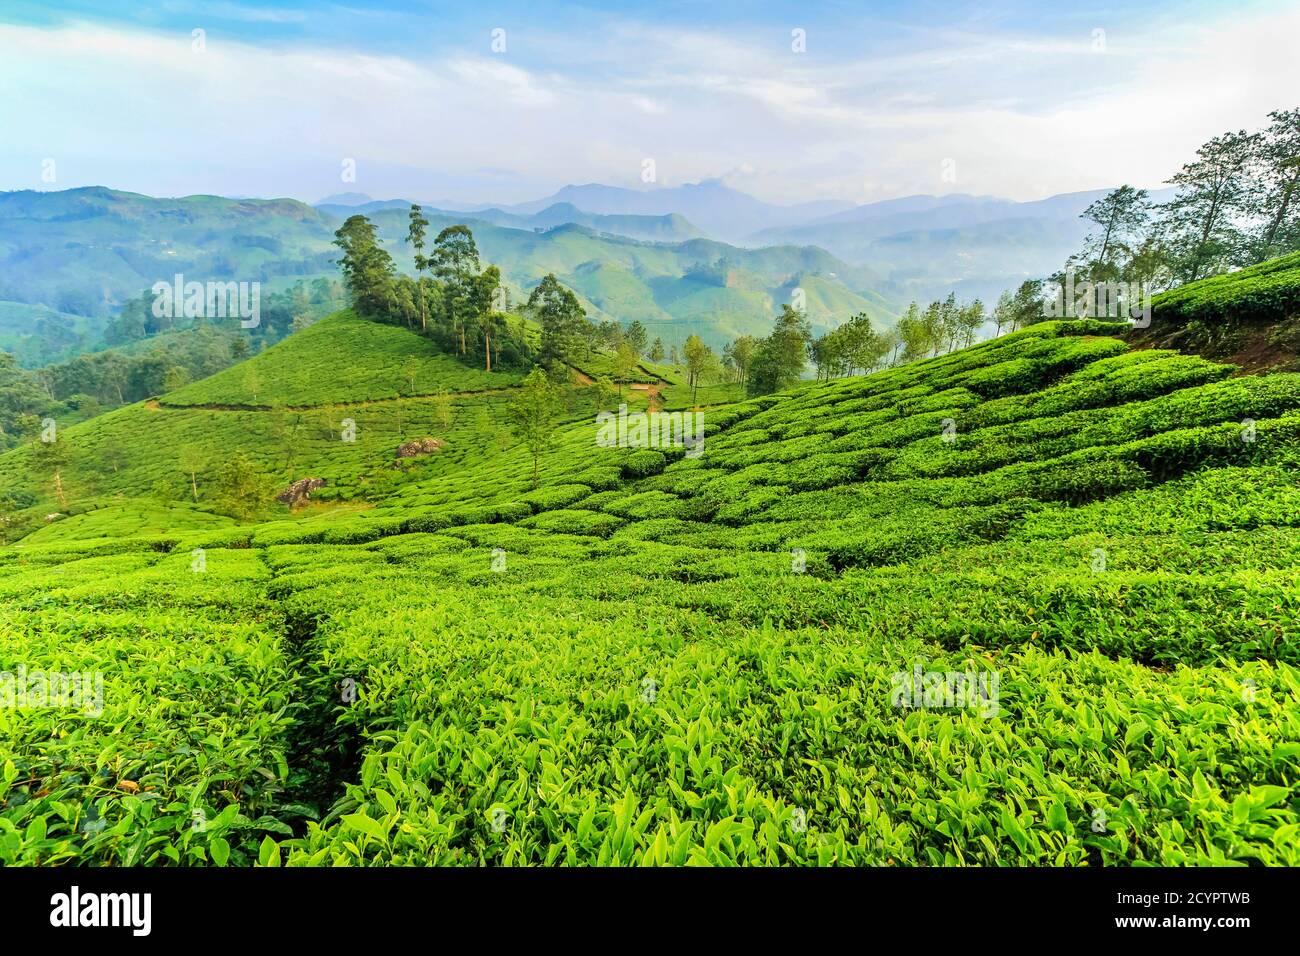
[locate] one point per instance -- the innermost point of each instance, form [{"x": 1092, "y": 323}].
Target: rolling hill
[
  {"x": 284, "y": 407},
  {"x": 85, "y": 251},
  {"x": 37, "y": 335}
]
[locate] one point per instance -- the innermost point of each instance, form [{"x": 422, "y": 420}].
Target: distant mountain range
[
  {"x": 919, "y": 246},
  {"x": 713, "y": 209},
  {"x": 721, "y": 212},
  {"x": 82, "y": 252},
  {"x": 668, "y": 228},
  {"x": 657, "y": 255},
  {"x": 975, "y": 245}
]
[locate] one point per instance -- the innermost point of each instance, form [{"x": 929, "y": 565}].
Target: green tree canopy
[{"x": 532, "y": 415}]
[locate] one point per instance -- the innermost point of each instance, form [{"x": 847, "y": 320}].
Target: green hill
[
  {"x": 287, "y": 410},
  {"x": 86, "y": 251},
  {"x": 284, "y": 408},
  {"x": 38, "y": 336},
  {"x": 662, "y": 658},
  {"x": 341, "y": 358}
]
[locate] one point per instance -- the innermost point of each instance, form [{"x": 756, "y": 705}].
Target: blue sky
[{"x": 884, "y": 99}]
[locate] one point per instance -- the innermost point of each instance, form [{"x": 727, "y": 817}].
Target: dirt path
[
  {"x": 653, "y": 394},
  {"x": 652, "y": 391},
  {"x": 154, "y": 405}
]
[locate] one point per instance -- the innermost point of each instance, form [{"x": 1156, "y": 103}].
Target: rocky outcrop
[
  {"x": 299, "y": 491},
  {"x": 420, "y": 446}
]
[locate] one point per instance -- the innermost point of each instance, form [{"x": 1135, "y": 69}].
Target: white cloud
[
  {"x": 495, "y": 78},
  {"x": 1022, "y": 116}
]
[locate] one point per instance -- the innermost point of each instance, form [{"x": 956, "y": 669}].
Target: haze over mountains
[
  {"x": 701, "y": 258},
  {"x": 920, "y": 246},
  {"x": 672, "y": 227}
]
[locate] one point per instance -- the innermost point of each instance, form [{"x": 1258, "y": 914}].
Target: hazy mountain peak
[{"x": 345, "y": 199}]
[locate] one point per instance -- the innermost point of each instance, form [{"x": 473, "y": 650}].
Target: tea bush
[{"x": 654, "y": 659}]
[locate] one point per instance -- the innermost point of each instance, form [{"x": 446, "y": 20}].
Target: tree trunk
[
  {"x": 1281, "y": 214},
  {"x": 1105, "y": 242},
  {"x": 1210, "y": 219}
]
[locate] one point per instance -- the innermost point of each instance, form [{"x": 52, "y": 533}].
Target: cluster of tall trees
[
  {"x": 454, "y": 298},
  {"x": 779, "y": 360},
  {"x": 462, "y": 303},
  {"x": 1236, "y": 204},
  {"x": 566, "y": 333},
  {"x": 98, "y": 381},
  {"x": 737, "y": 356},
  {"x": 941, "y": 327},
  {"x": 853, "y": 346}
]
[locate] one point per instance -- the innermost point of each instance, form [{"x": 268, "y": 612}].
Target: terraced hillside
[
  {"x": 656, "y": 658},
  {"x": 341, "y": 359},
  {"x": 286, "y": 410}
]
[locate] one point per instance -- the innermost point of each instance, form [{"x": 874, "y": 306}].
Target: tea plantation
[{"x": 656, "y": 658}]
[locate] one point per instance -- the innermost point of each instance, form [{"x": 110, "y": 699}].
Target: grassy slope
[
  {"x": 340, "y": 359},
  {"x": 115, "y": 520},
  {"x": 18, "y": 321},
  {"x": 649, "y": 677},
  {"x": 291, "y": 427}
]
